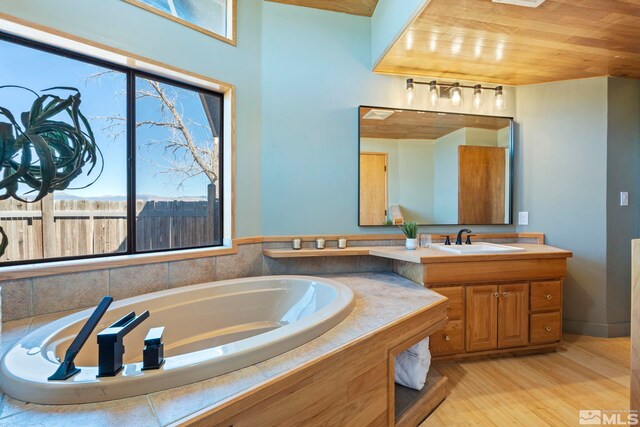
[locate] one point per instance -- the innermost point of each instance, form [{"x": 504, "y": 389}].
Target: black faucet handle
[
  {"x": 468, "y": 241},
  {"x": 124, "y": 325},
  {"x": 153, "y": 352},
  {"x": 154, "y": 336},
  {"x": 447, "y": 241}
]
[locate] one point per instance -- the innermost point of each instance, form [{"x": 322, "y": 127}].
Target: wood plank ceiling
[
  {"x": 410, "y": 124},
  {"x": 354, "y": 7},
  {"x": 480, "y": 40}
]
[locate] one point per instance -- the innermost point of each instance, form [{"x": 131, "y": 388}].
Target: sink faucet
[
  {"x": 110, "y": 345},
  {"x": 459, "y": 238}
]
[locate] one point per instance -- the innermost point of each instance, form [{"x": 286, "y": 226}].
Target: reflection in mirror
[{"x": 434, "y": 168}]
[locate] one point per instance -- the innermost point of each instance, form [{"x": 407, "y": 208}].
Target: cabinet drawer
[
  {"x": 449, "y": 340},
  {"x": 546, "y": 295},
  {"x": 456, "y": 296},
  {"x": 545, "y": 327}
]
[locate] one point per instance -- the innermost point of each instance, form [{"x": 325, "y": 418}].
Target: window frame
[
  {"x": 131, "y": 73},
  {"x": 229, "y": 37}
]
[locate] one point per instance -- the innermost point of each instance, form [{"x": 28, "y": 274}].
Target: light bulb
[
  {"x": 456, "y": 94},
  {"x": 500, "y": 102},
  {"x": 410, "y": 91},
  {"x": 477, "y": 97},
  {"x": 433, "y": 93}
]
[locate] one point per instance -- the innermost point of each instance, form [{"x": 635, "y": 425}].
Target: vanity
[{"x": 504, "y": 303}]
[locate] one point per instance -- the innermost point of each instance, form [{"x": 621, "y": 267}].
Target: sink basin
[{"x": 478, "y": 248}]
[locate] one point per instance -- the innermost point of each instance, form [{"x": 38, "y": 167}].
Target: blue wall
[{"x": 315, "y": 73}]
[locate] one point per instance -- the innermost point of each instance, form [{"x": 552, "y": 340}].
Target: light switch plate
[
  {"x": 523, "y": 218},
  {"x": 624, "y": 198}
]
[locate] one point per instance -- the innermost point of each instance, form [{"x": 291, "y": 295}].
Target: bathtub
[{"x": 210, "y": 329}]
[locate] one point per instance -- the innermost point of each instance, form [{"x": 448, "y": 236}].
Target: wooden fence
[{"x": 64, "y": 228}]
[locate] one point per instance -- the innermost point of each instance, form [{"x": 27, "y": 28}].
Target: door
[
  {"x": 482, "y": 317},
  {"x": 513, "y": 315},
  {"x": 373, "y": 188},
  {"x": 481, "y": 185}
]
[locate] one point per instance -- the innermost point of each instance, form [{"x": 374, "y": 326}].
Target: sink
[{"x": 478, "y": 248}]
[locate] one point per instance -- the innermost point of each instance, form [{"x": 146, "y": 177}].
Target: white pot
[{"x": 411, "y": 244}]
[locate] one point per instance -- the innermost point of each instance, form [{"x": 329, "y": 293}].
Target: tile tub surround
[
  {"x": 380, "y": 299},
  {"x": 23, "y": 298}
]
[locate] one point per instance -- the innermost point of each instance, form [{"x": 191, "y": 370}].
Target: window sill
[{"x": 76, "y": 266}]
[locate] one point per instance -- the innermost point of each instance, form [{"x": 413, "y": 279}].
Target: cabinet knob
[
  {"x": 497, "y": 295},
  {"x": 504, "y": 294},
  {"x": 548, "y": 328},
  {"x": 548, "y": 296},
  {"x": 447, "y": 338}
]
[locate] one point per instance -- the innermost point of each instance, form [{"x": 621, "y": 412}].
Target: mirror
[{"x": 434, "y": 168}]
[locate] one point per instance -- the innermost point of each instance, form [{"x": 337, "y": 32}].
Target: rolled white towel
[{"x": 413, "y": 365}]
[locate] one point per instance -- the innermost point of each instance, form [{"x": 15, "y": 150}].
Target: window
[
  {"x": 135, "y": 164},
  {"x": 213, "y": 17}
]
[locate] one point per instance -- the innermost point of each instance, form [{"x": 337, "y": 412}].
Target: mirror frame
[{"x": 511, "y": 162}]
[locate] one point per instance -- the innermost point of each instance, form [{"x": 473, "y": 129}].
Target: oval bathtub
[{"x": 210, "y": 329}]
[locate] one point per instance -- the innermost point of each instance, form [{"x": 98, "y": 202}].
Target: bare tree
[{"x": 188, "y": 157}]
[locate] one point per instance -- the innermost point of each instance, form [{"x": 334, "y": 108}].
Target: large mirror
[{"x": 434, "y": 168}]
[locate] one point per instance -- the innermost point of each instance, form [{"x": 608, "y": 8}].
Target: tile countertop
[
  {"x": 380, "y": 299},
  {"x": 423, "y": 255}
]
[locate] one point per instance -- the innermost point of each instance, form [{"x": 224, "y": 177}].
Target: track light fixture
[{"x": 455, "y": 93}]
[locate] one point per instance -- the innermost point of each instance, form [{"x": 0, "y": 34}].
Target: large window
[
  {"x": 213, "y": 17},
  {"x": 99, "y": 159}
]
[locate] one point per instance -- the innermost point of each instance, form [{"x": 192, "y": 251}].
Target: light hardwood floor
[{"x": 545, "y": 389}]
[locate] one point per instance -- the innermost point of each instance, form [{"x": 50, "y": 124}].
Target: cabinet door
[
  {"x": 482, "y": 317},
  {"x": 513, "y": 315}
]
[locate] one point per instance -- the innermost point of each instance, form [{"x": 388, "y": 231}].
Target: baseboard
[{"x": 605, "y": 330}]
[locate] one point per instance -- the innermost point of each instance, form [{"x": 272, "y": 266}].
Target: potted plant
[{"x": 410, "y": 229}]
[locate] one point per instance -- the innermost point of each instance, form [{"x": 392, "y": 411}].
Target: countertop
[
  {"x": 424, "y": 255},
  {"x": 380, "y": 299}
]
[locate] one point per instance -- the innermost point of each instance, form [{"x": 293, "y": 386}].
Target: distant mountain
[{"x": 143, "y": 197}]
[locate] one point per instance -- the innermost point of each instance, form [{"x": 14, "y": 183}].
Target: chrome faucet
[
  {"x": 459, "y": 238},
  {"x": 111, "y": 346}
]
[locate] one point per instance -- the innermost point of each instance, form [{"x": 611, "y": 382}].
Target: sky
[{"x": 104, "y": 97}]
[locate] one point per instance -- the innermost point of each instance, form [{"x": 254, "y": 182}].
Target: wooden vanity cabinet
[
  {"x": 497, "y": 316},
  {"x": 450, "y": 340},
  {"x": 491, "y": 318},
  {"x": 499, "y": 304}
]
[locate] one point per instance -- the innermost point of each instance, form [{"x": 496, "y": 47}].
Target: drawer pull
[
  {"x": 447, "y": 338},
  {"x": 497, "y": 295},
  {"x": 504, "y": 294},
  {"x": 547, "y": 328},
  {"x": 548, "y": 296}
]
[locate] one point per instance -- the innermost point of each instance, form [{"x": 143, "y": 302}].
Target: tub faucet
[
  {"x": 111, "y": 346},
  {"x": 67, "y": 368},
  {"x": 459, "y": 238}
]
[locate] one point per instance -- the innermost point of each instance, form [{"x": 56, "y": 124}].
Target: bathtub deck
[{"x": 380, "y": 299}]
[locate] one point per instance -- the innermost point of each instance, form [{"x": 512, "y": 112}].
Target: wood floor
[{"x": 539, "y": 390}]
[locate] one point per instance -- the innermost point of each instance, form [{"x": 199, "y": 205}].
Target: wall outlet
[
  {"x": 523, "y": 218},
  {"x": 624, "y": 198}
]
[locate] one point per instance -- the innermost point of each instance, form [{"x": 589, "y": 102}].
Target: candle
[{"x": 297, "y": 244}]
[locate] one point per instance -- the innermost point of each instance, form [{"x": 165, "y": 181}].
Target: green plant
[
  {"x": 410, "y": 229},
  {"x": 45, "y": 153}
]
